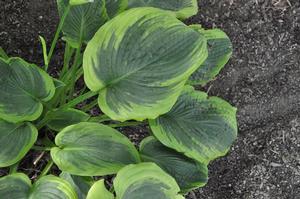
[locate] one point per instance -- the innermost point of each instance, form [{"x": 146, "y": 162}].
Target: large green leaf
[
  {"x": 188, "y": 173},
  {"x": 18, "y": 186},
  {"x": 23, "y": 89},
  {"x": 90, "y": 149},
  {"x": 15, "y": 141},
  {"x": 66, "y": 117},
  {"x": 82, "y": 185},
  {"x": 139, "y": 62},
  {"x": 114, "y": 7},
  {"x": 219, "y": 52},
  {"x": 182, "y": 8},
  {"x": 202, "y": 128},
  {"x": 82, "y": 21},
  {"x": 99, "y": 191},
  {"x": 146, "y": 181}
]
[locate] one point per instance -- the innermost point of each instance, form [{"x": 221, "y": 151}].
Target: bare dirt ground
[{"x": 262, "y": 80}]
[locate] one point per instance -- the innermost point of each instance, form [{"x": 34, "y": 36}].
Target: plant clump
[{"x": 141, "y": 61}]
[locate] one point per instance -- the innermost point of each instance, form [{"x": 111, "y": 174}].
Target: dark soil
[{"x": 262, "y": 80}]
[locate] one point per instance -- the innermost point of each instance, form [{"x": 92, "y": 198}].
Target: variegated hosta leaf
[
  {"x": 139, "y": 62},
  {"x": 18, "y": 186},
  {"x": 200, "y": 127},
  {"x": 182, "y": 8},
  {"x": 90, "y": 149},
  {"x": 145, "y": 181},
  {"x": 114, "y": 7},
  {"x": 188, "y": 173},
  {"x": 50, "y": 187},
  {"x": 219, "y": 52},
  {"x": 82, "y": 21},
  {"x": 15, "y": 141},
  {"x": 80, "y": 184},
  {"x": 66, "y": 117},
  {"x": 99, "y": 191},
  {"x": 23, "y": 89},
  {"x": 15, "y": 186}
]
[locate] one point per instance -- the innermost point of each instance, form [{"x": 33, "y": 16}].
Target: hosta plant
[{"x": 139, "y": 63}]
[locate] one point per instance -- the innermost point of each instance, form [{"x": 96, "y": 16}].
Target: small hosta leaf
[
  {"x": 219, "y": 53},
  {"x": 81, "y": 185},
  {"x": 139, "y": 62},
  {"x": 15, "y": 141},
  {"x": 200, "y": 127},
  {"x": 182, "y": 8},
  {"x": 188, "y": 173},
  {"x": 99, "y": 191},
  {"x": 23, "y": 89},
  {"x": 82, "y": 21},
  {"x": 18, "y": 186},
  {"x": 90, "y": 149},
  {"x": 146, "y": 181},
  {"x": 66, "y": 117}
]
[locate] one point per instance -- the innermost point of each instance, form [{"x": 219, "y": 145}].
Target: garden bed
[{"x": 262, "y": 80}]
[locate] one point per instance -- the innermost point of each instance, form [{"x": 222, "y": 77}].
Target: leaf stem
[
  {"x": 40, "y": 148},
  {"x": 42, "y": 122},
  {"x": 47, "y": 142},
  {"x": 79, "y": 99},
  {"x": 82, "y": 90},
  {"x": 77, "y": 62},
  {"x": 90, "y": 105},
  {"x": 46, "y": 169},
  {"x": 59, "y": 28},
  {"x": 13, "y": 168},
  {"x": 112, "y": 189},
  {"x": 125, "y": 124},
  {"x": 70, "y": 104},
  {"x": 44, "y": 48},
  {"x": 79, "y": 73},
  {"x": 100, "y": 118},
  {"x": 67, "y": 58}
]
